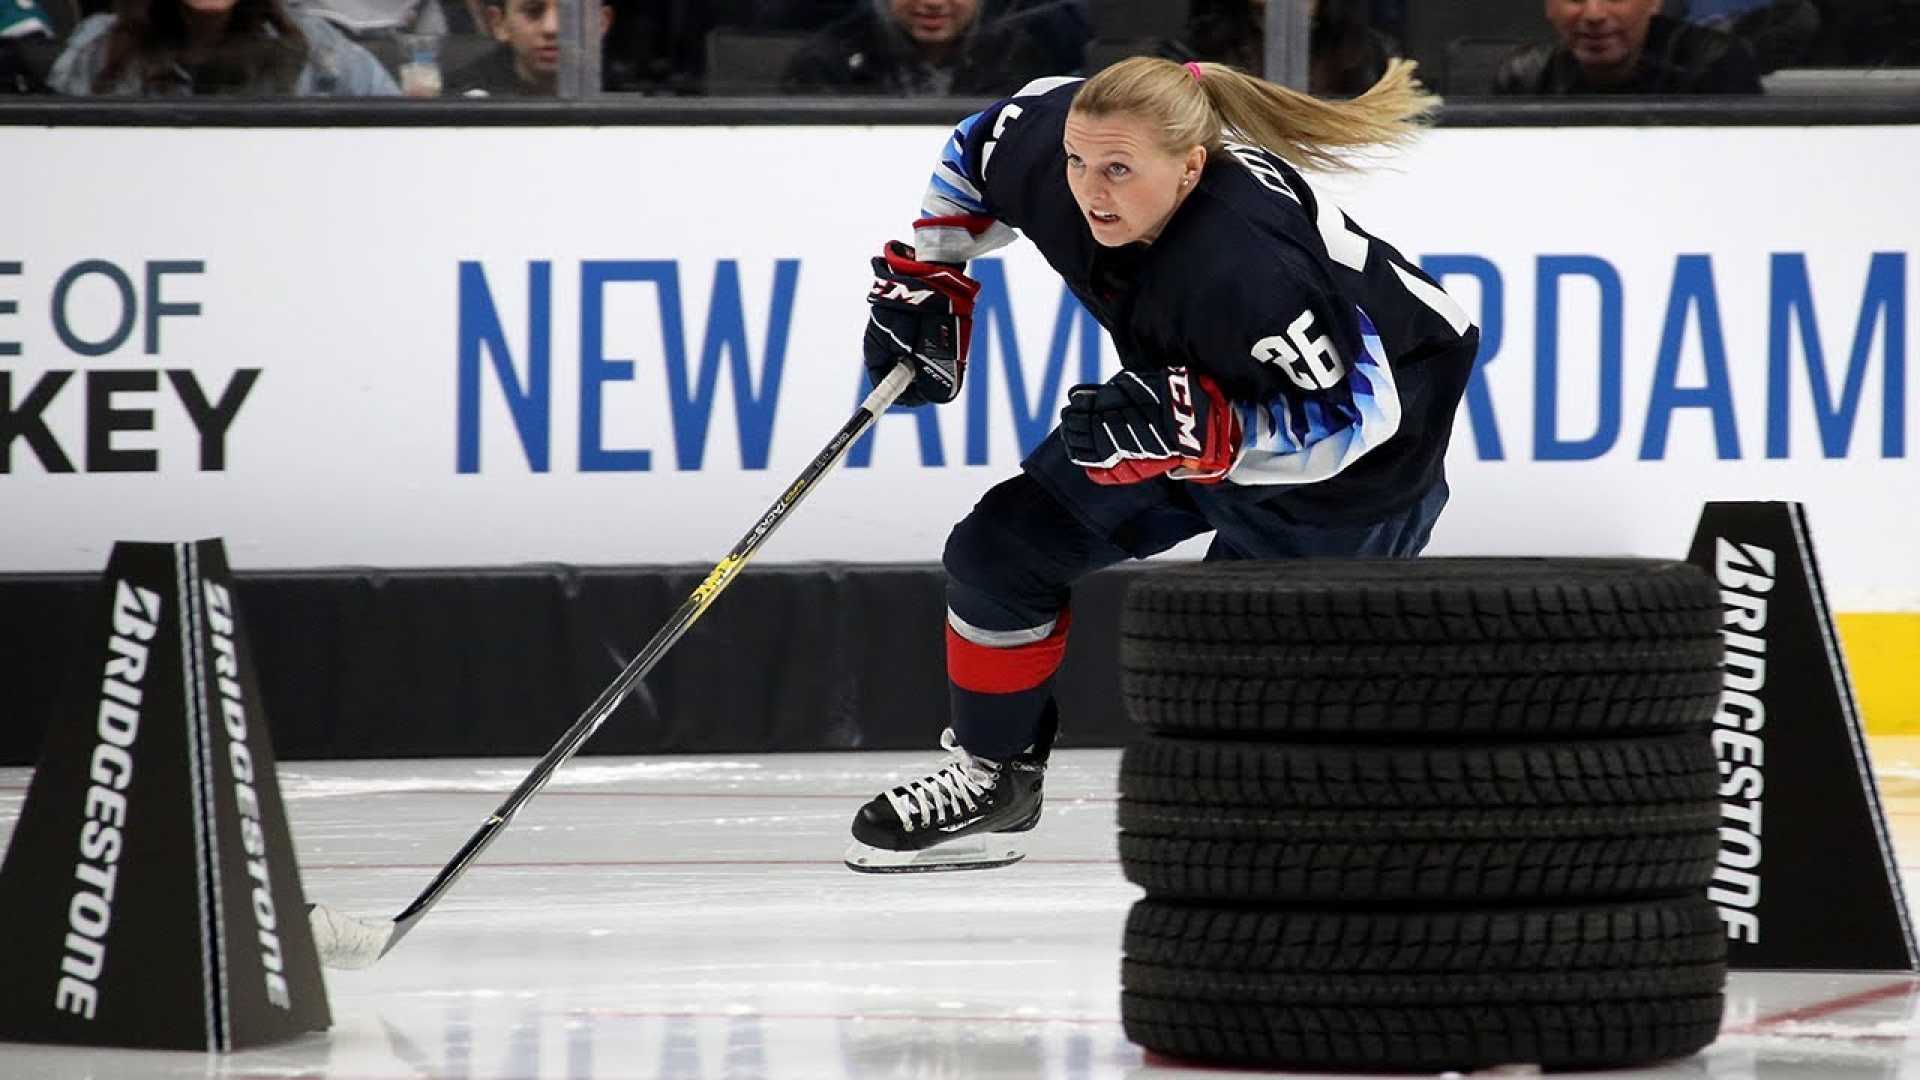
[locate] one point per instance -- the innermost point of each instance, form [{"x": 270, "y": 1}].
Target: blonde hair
[{"x": 1224, "y": 103}]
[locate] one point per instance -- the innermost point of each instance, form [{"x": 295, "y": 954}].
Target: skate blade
[{"x": 981, "y": 852}]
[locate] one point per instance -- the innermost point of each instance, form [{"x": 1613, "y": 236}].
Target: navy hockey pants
[{"x": 1010, "y": 561}]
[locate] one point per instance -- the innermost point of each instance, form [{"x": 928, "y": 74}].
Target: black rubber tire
[
  {"x": 1592, "y": 986},
  {"x": 1441, "y": 601},
  {"x": 1431, "y": 659},
  {"x": 1230, "y": 776},
  {"x": 1524, "y": 692},
  {"x": 1471, "y": 648},
  {"x": 1305, "y": 823}
]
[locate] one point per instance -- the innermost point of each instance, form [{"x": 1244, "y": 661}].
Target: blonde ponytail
[{"x": 1205, "y": 104}]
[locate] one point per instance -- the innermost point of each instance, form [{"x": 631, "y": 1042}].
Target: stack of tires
[{"x": 1422, "y": 815}]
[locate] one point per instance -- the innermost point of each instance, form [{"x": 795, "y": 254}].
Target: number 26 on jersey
[{"x": 1312, "y": 362}]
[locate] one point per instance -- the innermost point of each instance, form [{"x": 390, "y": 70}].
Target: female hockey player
[{"x": 1288, "y": 383}]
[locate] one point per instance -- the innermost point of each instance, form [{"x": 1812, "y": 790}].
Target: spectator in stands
[
  {"x": 27, "y": 47},
  {"x": 1627, "y": 47},
  {"x": 253, "y": 47},
  {"x": 917, "y": 48},
  {"x": 1781, "y": 33},
  {"x": 526, "y": 63}
]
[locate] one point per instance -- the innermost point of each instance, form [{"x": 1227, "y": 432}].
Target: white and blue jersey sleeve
[
  {"x": 1303, "y": 439},
  {"x": 953, "y": 191},
  {"x": 955, "y": 224},
  {"x": 957, "y": 221}
]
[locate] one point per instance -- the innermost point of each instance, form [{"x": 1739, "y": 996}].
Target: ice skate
[{"x": 970, "y": 814}]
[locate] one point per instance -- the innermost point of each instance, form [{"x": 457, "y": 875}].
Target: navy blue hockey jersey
[{"x": 1345, "y": 361}]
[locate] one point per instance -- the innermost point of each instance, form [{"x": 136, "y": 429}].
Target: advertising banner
[{"x": 490, "y": 347}]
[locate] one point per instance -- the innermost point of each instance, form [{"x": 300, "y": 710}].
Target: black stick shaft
[{"x": 636, "y": 669}]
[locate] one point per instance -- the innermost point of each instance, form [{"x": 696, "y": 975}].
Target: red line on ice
[{"x": 1821, "y": 1009}]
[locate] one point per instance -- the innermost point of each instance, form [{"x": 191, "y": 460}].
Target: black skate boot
[{"x": 968, "y": 815}]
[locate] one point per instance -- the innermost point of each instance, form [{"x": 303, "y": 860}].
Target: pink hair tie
[{"x": 1194, "y": 70}]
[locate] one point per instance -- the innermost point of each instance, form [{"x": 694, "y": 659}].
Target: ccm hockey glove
[
  {"x": 922, "y": 314},
  {"x": 1143, "y": 424}
]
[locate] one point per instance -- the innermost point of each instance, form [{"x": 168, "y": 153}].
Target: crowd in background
[{"x": 922, "y": 48}]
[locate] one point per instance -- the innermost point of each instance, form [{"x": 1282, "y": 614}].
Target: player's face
[
  {"x": 1603, "y": 34},
  {"x": 935, "y": 22},
  {"x": 1126, "y": 185}
]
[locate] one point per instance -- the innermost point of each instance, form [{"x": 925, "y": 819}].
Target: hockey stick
[{"x": 344, "y": 941}]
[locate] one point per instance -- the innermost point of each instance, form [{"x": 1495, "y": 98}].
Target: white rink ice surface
[{"x": 690, "y": 918}]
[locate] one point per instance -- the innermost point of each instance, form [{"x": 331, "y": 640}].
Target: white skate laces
[{"x": 949, "y": 791}]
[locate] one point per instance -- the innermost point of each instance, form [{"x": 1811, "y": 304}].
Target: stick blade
[{"x": 345, "y": 942}]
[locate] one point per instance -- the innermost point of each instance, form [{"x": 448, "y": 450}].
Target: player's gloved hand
[
  {"x": 1143, "y": 424},
  {"x": 923, "y": 315}
]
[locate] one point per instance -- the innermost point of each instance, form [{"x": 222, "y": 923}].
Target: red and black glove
[
  {"x": 1143, "y": 424},
  {"x": 922, "y": 315}
]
